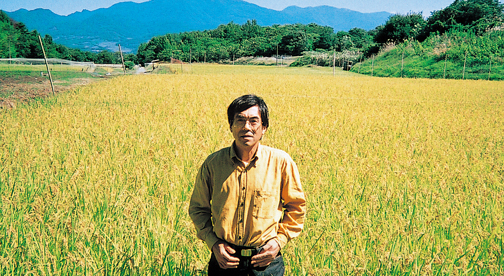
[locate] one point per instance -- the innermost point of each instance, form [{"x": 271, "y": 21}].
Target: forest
[{"x": 467, "y": 18}]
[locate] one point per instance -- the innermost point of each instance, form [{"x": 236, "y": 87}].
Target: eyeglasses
[{"x": 242, "y": 121}]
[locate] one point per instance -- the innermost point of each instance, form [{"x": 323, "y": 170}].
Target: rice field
[{"x": 402, "y": 176}]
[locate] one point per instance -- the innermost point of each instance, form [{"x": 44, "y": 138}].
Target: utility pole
[
  {"x": 465, "y": 61},
  {"x": 122, "y": 60},
  {"x": 402, "y": 63},
  {"x": 372, "y": 66},
  {"x": 444, "y": 70},
  {"x": 276, "y": 59},
  {"x": 47, "y": 65},
  {"x": 334, "y": 64},
  {"x": 490, "y": 70}
]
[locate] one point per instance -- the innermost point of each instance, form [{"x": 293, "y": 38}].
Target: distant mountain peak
[{"x": 130, "y": 23}]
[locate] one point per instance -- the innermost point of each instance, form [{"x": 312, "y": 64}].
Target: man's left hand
[{"x": 267, "y": 254}]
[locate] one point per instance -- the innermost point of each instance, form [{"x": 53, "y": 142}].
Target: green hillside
[
  {"x": 462, "y": 41},
  {"x": 455, "y": 55}
]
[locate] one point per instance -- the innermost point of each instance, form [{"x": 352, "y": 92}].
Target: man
[{"x": 247, "y": 201}]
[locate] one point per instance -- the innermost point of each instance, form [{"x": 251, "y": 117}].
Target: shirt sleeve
[
  {"x": 294, "y": 204},
  {"x": 200, "y": 208}
]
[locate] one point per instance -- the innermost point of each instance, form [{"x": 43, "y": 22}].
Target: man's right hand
[{"x": 222, "y": 252}]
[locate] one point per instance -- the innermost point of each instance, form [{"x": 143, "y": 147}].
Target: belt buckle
[{"x": 246, "y": 252}]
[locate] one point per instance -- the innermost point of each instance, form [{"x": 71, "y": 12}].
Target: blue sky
[{"x": 65, "y": 7}]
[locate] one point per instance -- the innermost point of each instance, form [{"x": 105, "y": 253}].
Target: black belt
[
  {"x": 245, "y": 254},
  {"x": 245, "y": 251}
]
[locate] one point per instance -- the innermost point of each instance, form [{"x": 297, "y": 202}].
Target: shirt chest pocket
[{"x": 265, "y": 204}]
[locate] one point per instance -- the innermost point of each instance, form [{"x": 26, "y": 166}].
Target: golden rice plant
[{"x": 402, "y": 176}]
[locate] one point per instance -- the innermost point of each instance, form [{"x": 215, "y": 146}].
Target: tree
[
  {"x": 63, "y": 52},
  {"x": 479, "y": 15},
  {"x": 323, "y": 36},
  {"x": 251, "y": 30},
  {"x": 106, "y": 57},
  {"x": 129, "y": 64},
  {"x": 296, "y": 43},
  {"x": 230, "y": 31},
  {"x": 343, "y": 41},
  {"x": 399, "y": 28},
  {"x": 360, "y": 38},
  {"x": 131, "y": 57},
  {"x": 146, "y": 53},
  {"x": 8, "y": 37},
  {"x": 77, "y": 55}
]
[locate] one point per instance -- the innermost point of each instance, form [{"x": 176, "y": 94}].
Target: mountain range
[{"x": 130, "y": 24}]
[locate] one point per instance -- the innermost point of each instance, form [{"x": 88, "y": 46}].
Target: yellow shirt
[{"x": 248, "y": 205}]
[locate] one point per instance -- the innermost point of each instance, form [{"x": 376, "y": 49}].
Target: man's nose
[{"x": 247, "y": 125}]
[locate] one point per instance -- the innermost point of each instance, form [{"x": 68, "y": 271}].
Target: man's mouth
[{"x": 247, "y": 136}]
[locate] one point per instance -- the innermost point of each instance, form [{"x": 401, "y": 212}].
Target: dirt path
[{"x": 15, "y": 90}]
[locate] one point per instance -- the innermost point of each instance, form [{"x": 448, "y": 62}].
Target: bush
[{"x": 129, "y": 65}]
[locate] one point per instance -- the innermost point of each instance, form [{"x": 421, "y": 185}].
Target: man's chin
[{"x": 247, "y": 143}]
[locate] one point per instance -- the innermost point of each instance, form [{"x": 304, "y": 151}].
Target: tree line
[
  {"x": 475, "y": 16},
  {"x": 232, "y": 41}
]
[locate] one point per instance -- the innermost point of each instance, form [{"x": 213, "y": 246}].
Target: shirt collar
[{"x": 233, "y": 155}]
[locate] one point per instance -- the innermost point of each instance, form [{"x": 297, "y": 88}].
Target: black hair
[{"x": 245, "y": 102}]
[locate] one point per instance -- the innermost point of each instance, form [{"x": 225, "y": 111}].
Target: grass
[
  {"x": 23, "y": 73},
  {"x": 22, "y": 83},
  {"x": 414, "y": 65},
  {"x": 402, "y": 176}
]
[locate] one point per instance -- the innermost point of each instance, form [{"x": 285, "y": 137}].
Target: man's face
[{"x": 247, "y": 128}]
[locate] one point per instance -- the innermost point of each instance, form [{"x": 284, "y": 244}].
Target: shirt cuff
[
  {"x": 211, "y": 239},
  {"x": 282, "y": 240}
]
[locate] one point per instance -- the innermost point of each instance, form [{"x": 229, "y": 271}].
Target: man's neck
[{"x": 246, "y": 154}]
